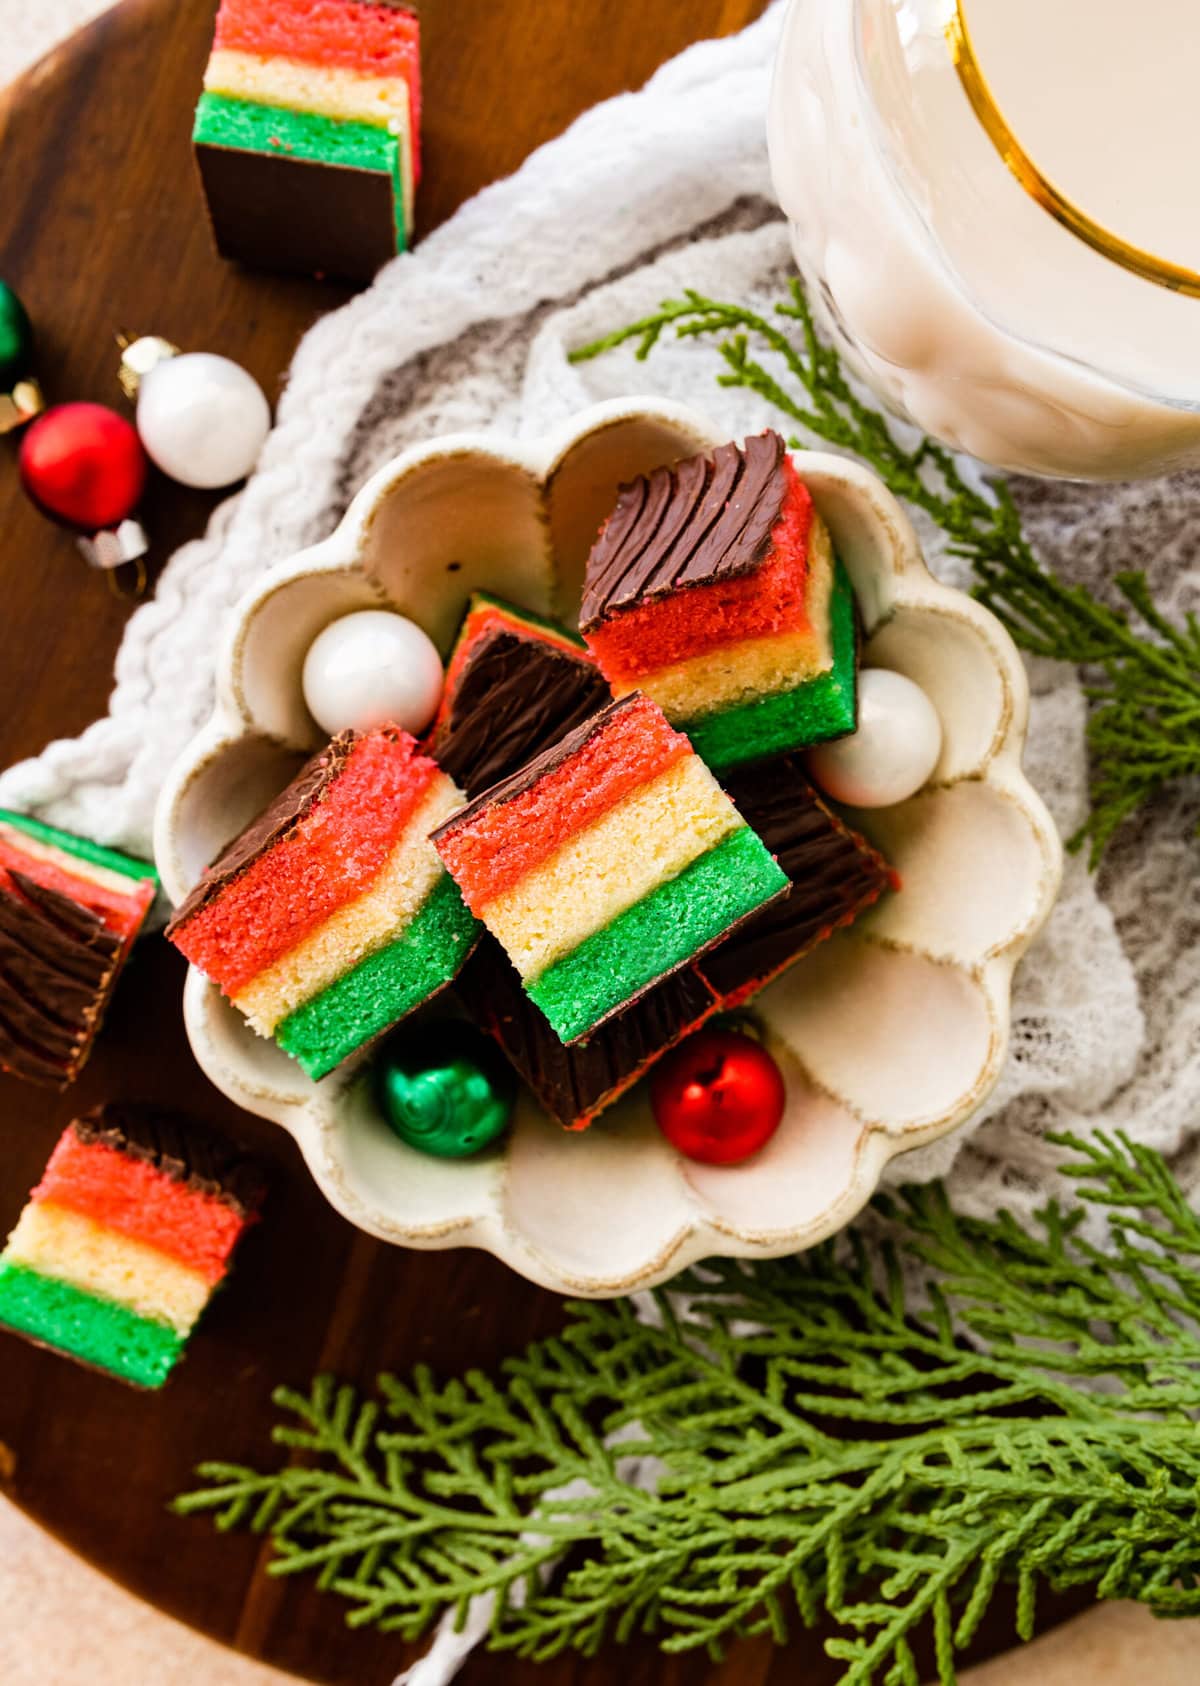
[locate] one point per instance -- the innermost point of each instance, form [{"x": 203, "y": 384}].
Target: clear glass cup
[{"x": 994, "y": 205}]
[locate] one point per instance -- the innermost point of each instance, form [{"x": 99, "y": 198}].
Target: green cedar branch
[
  {"x": 1144, "y": 685},
  {"x": 881, "y": 1435}
]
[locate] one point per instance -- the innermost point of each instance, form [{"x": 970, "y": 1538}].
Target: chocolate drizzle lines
[
  {"x": 58, "y": 962},
  {"x": 184, "y": 1150},
  {"x": 574, "y": 1083},
  {"x": 707, "y": 519},
  {"x": 517, "y": 694},
  {"x": 835, "y": 876}
]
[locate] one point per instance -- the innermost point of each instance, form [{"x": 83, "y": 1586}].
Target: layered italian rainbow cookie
[
  {"x": 306, "y": 134},
  {"x": 607, "y": 863},
  {"x": 125, "y": 1239},
  {"x": 834, "y": 876},
  {"x": 514, "y": 684},
  {"x": 70, "y": 912},
  {"x": 713, "y": 588},
  {"x": 331, "y": 917}
]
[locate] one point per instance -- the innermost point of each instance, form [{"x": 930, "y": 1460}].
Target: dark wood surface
[{"x": 101, "y": 227}]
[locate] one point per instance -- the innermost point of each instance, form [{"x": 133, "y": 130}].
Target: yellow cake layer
[
  {"x": 359, "y": 927},
  {"x": 63, "y": 1244},
  {"x": 91, "y": 872},
  {"x": 611, "y": 864},
  {"x": 732, "y": 674},
  {"x": 326, "y": 91}
]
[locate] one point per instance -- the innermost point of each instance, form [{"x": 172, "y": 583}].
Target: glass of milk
[{"x": 996, "y": 206}]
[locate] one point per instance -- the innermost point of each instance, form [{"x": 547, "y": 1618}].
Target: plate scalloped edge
[{"x": 633, "y": 1214}]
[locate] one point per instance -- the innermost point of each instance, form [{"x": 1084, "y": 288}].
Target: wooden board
[{"x": 101, "y": 227}]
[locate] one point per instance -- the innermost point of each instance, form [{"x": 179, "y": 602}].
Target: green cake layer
[
  {"x": 820, "y": 709},
  {"x": 660, "y": 933},
  {"x": 100, "y": 1332},
  {"x": 269, "y": 130},
  {"x": 526, "y": 617},
  {"x": 81, "y": 847},
  {"x": 389, "y": 983}
]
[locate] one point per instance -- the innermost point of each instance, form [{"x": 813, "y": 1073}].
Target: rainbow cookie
[
  {"x": 713, "y": 589},
  {"x": 575, "y": 1084},
  {"x": 834, "y": 876},
  {"x": 330, "y": 918},
  {"x": 606, "y": 864},
  {"x": 514, "y": 684},
  {"x": 124, "y": 1240},
  {"x": 307, "y": 133},
  {"x": 70, "y": 912}
]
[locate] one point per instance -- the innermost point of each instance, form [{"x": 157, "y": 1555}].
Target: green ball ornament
[
  {"x": 16, "y": 339},
  {"x": 445, "y": 1089},
  {"x": 20, "y": 396}
]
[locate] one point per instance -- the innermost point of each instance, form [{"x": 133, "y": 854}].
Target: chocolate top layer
[
  {"x": 529, "y": 775},
  {"x": 58, "y": 961},
  {"x": 184, "y": 1150},
  {"x": 286, "y": 812},
  {"x": 704, "y": 520},
  {"x": 516, "y": 696},
  {"x": 574, "y": 1083},
  {"x": 834, "y": 874}
]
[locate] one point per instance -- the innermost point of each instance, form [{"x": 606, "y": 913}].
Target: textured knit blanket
[{"x": 645, "y": 195}]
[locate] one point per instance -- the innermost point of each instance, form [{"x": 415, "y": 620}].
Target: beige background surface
[{"x": 62, "y": 1624}]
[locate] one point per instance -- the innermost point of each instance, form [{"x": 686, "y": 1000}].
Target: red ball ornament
[
  {"x": 718, "y": 1097},
  {"x": 84, "y": 466}
]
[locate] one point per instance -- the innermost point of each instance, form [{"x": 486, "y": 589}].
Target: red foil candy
[{"x": 718, "y": 1098}]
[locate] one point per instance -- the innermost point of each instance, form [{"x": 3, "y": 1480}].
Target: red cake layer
[
  {"x": 123, "y": 914},
  {"x": 494, "y": 850},
  {"x": 142, "y": 1202},
  {"x": 672, "y": 629},
  {"x": 332, "y": 855},
  {"x": 376, "y": 40}
]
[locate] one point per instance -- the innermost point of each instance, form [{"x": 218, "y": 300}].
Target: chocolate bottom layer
[
  {"x": 296, "y": 216},
  {"x": 834, "y": 876},
  {"x": 576, "y": 1083}
]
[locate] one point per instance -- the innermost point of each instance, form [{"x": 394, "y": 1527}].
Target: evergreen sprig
[
  {"x": 880, "y": 1433},
  {"x": 1144, "y": 724}
]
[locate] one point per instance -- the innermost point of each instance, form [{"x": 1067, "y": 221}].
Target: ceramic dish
[{"x": 889, "y": 1035}]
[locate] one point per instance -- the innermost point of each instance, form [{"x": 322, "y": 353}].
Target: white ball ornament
[
  {"x": 202, "y": 418},
  {"x": 893, "y": 752},
  {"x": 371, "y": 668}
]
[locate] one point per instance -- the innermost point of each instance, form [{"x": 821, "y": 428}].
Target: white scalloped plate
[{"x": 889, "y": 1035}]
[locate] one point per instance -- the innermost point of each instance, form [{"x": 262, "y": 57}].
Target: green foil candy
[
  {"x": 20, "y": 395},
  {"x": 445, "y": 1089}
]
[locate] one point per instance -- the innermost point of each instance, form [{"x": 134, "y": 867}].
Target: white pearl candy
[
  {"x": 894, "y": 750},
  {"x": 370, "y": 669},
  {"x": 202, "y": 418}
]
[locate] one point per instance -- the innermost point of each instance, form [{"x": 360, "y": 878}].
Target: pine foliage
[
  {"x": 1143, "y": 672},
  {"x": 879, "y": 1432}
]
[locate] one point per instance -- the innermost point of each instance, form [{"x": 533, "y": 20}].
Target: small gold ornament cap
[
  {"x": 139, "y": 354},
  {"x": 20, "y": 405}
]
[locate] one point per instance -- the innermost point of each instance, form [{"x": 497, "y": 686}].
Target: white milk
[{"x": 958, "y": 295}]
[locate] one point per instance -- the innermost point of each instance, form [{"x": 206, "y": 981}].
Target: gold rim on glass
[{"x": 983, "y": 103}]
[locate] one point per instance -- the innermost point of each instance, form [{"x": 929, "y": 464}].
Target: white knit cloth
[{"x": 643, "y": 196}]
